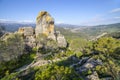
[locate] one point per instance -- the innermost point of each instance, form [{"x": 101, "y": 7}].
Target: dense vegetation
[
  {"x": 55, "y": 72},
  {"x": 12, "y": 54},
  {"x": 105, "y": 49}
]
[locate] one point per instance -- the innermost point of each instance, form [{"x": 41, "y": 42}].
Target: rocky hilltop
[
  {"x": 43, "y": 54},
  {"x": 44, "y": 27}
]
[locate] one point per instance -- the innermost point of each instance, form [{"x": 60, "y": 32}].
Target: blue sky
[{"x": 78, "y": 12}]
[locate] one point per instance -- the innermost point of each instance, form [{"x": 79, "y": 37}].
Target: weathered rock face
[
  {"x": 93, "y": 76},
  {"x": 60, "y": 39},
  {"x": 26, "y": 31},
  {"x": 89, "y": 64},
  {"x": 30, "y": 41},
  {"x": 44, "y": 24}
]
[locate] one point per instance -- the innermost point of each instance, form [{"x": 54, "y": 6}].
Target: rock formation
[
  {"x": 93, "y": 76},
  {"x": 26, "y": 31},
  {"x": 44, "y": 26},
  {"x": 60, "y": 39}
]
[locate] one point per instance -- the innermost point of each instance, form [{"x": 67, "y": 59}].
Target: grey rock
[
  {"x": 30, "y": 41},
  {"x": 61, "y": 41},
  {"x": 107, "y": 78},
  {"x": 88, "y": 63},
  {"x": 93, "y": 76},
  {"x": 44, "y": 24},
  {"x": 26, "y": 31},
  {"x": 44, "y": 28},
  {"x": 52, "y": 36}
]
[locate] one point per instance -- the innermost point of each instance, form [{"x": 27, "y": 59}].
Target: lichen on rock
[
  {"x": 45, "y": 27},
  {"x": 40, "y": 15},
  {"x": 44, "y": 24}
]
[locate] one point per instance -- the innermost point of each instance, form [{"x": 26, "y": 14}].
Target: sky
[{"x": 77, "y": 12}]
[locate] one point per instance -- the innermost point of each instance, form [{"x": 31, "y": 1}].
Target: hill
[
  {"x": 88, "y": 32},
  {"x": 43, "y": 53}
]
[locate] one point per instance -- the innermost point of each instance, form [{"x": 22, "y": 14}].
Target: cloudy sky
[{"x": 78, "y": 12}]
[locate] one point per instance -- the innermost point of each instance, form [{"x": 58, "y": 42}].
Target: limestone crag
[
  {"x": 26, "y": 31},
  {"x": 28, "y": 34},
  {"x": 44, "y": 26},
  {"x": 60, "y": 39}
]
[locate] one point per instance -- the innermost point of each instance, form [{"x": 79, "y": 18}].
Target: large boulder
[
  {"x": 44, "y": 24},
  {"x": 93, "y": 76},
  {"x": 89, "y": 64},
  {"x": 60, "y": 39},
  {"x": 26, "y": 31},
  {"x": 30, "y": 41}
]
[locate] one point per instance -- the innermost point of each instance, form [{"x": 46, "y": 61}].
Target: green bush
[{"x": 54, "y": 72}]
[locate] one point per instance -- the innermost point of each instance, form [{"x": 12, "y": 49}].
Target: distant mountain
[
  {"x": 12, "y": 26},
  {"x": 97, "y": 30},
  {"x": 90, "y": 31},
  {"x": 68, "y": 25}
]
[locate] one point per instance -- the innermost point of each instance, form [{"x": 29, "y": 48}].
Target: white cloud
[
  {"x": 16, "y": 21},
  {"x": 115, "y": 10},
  {"x": 103, "y": 19},
  {"x": 27, "y": 21},
  {"x": 117, "y": 17},
  {"x": 59, "y": 22},
  {"x": 97, "y": 19},
  {"x": 4, "y": 20}
]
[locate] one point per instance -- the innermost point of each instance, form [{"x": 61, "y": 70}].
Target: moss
[{"x": 88, "y": 72}]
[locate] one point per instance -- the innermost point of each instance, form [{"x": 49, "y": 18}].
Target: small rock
[{"x": 93, "y": 76}]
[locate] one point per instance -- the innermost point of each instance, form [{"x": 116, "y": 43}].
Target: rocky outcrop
[
  {"x": 28, "y": 34},
  {"x": 60, "y": 39},
  {"x": 26, "y": 31},
  {"x": 44, "y": 26},
  {"x": 93, "y": 76},
  {"x": 86, "y": 66}
]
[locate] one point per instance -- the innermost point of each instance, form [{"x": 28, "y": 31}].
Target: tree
[{"x": 108, "y": 48}]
